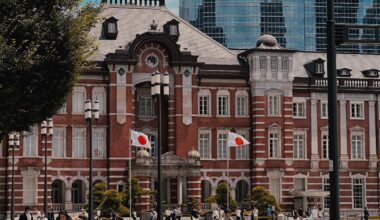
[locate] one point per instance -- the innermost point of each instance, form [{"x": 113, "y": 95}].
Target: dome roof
[
  {"x": 267, "y": 40},
  {"x": 193, "y": 153},
  {"x": 142, "y": 153}
]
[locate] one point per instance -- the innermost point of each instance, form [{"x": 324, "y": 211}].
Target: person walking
[
  {"x": 295, "y": 214},
  {"x": 153, "y": 214},
  {"x": 269, "y": 210},
  {"x": 366, "y": 213},
  {"x": 255, "y": 213},
  {"x": 300, "y": 213},
  {"x": 238, "y": 213},
  {"x": 194, "y": 215},
  {"x": 178, "y": 213},
  {"x": 26, "y": 215}
]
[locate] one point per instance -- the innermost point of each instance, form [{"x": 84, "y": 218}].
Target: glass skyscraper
[{"x": 297, "y": 24}]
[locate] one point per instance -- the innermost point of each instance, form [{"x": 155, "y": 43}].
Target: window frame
[
  {"x": 55, "y": 129},
  {"x": 304, "y": 142},
  {"x": 207, "y": 95},
  {"x": 204, "y": 132},
  {"x": 361, "y": 110},
  {"x": 296, "y": 104},
  {"x": 263, "y": 63},
  {"x": 96, "y": 91},
  {"x": 223, "y": 94},
  {"x": 33, "y": 150},
  {"x": 245, "y": 134},
  {"x": 277, "y": 132},
  {"x": 274, "y": 63},
  {"x": 362, "y": 184},
  {"x": 319, "y": 68},
  {"x": 322, "y": 110},
  {"x": 146, "y": 98},
  {"x": 324, "y": 133},
  {"x": 73, "y": 154},
  {"x": 221, "y": 155},
  {"x": 276, "y": 103},
  {"x": 96, "y": 138},
  {"x": 244, "y": 96},
  {"x": 357, "y": 133},
  {"x": 74, "y": 108},
  {"x": 285, "y": 63}
]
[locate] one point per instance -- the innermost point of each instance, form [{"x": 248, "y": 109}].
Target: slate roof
[
  {"x": 356, "y": 62},
  {"x": 134, "y": 19}
]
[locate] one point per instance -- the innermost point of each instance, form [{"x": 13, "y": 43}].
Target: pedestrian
[
  {"x": 153, "y": 214},
  {"x": 269, "y": 210},
  {"x": 167, "y": 214},
  {"x": 295, "y": 214},
  {"x": 26, "y": 215},
  {"x": 321, "y": 214},
  {"x": 227, "y": 215},
  {"x": 194, "y": 215},
  {"x": 366, "y": 213},
  {"x": 215, "y": 214},
  {"x": 238, "y": 213},
  {"x": 255, "y": 213},
  {"x": 178, "y": 213},
  {"x": 273, "y": 212},
  {"x": 83, "y": 215},
  {"x": 300, "y": 213},
  {"x": 134, "y": 215}
]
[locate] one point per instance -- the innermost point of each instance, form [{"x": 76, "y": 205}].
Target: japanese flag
[
  {"x": 235, "y": 140},
  {"x": 140, "y": 139}
]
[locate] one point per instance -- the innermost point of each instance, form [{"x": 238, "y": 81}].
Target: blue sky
[{"x": 173, "y": 5}]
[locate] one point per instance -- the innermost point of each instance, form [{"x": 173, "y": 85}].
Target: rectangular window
[
  {"x": 99, "y": 94},
  {"x": 152, "y": 139},
  {"x": 273, "y": 63},
  {"x": 242, "y": 152},
  {"x": 222, "y": 146},
  {"x": 145, "y": 106},
  {"x": 204, "y": 144},
  {"x": 299, "y": 184},
  {"x": 79, "y": 142},
  {"x": 120, "y": 188},
  {"x": 274, "y": 188},
  {"x": 325, "y": 145},
  {"x": 357, "y": 146},
  {"x": 263, "y": 63},
  {"x": 30, "y": 141},
  {"x": 223, "y": 105},
  {"x": 241, "y": 106},
  {"x": 299, "y": 109},
  {"x": 357, "y": 110},
  {"x": 324, "y": 110},
  {"x": 99, "y": 142},
  {"x": 173, "y": 30},
  {"x": 79, "y": 97},
  {"x": 274, "y": 144},
  {"x": 111, "y": 27},
  {"x": 326, "y": 188},
  {"x": 319, "y": 68},
  {"x": 285, "y": 63},
  {"x": 204, "y": 102},
  {"x": 274, "y": 104},
  {"x": 299, "y": 145},
  {"x": 358, "y": 193},
  {"x": 59, "y": 141}
]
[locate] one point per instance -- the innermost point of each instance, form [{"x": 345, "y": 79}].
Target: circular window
[{"x": 152, "y": 60}]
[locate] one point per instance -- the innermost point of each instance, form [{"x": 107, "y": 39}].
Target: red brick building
[{"x": 275, "y": 97}]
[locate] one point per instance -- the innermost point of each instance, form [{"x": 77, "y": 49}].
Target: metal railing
[
  {"x": 78, "y": 206},
  {"x": 58, "y": 207}
]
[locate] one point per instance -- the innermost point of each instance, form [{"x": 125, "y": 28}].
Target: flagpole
[
  {"x": 228, "y": 166},
  {"x": 130, "y": 184}
]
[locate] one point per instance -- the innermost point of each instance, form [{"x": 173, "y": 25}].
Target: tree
[
  {"x": 44, "y": 44},
  {"x": 99, "y": 193},
  {"x": 192, "y": 203},
  {"x": 137, "y": 192},
  {"x": 221, "y": 197},
  {"x": 113, "y": 203},
  {"x": 261, "y": 198}
]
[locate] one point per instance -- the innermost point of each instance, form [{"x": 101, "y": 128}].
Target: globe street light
[
  {"x": 159, "y": 88},
  {"x": 13, "y": 141},
  {"x": 88, "y": 116},
  {"x": 46, "y": 130}
]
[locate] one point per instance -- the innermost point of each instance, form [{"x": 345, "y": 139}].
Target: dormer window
[
  {"x": 110, "y": 28},
  {"x": 344, "y": 72},
  {"x": 315, "y": 68},
  {"x": 371, "y": 73},
  {"x": 171, "y": 28}
]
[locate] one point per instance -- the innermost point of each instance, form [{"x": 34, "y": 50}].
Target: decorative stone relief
[
  {"x": 121, "y": 94},
  {"x": 186, "y": 96}
]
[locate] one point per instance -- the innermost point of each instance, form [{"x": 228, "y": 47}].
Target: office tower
[{"x": 297, "y": 24}]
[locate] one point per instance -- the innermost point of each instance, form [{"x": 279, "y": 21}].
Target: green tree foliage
[
  {"x": 113, "y": 203},
  {"x": 99, "y": 193},
  {"x": 44, "y": 44},
  {"x": 221, "y": 197},
  {"x": 192, "y": 203},
  {"x": 137, "y": 192},
  {"x": 261, "y": 198}
]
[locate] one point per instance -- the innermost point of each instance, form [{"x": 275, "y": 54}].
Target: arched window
[
  {"x": 206, "y": 190},
  {"x": 58, "y": 191},
  {"x": 99, "y": 94},
  {"x": 78, "y": 192},
  {"x": 78, "y": 99},
  {"x": 242, "y": 190}
]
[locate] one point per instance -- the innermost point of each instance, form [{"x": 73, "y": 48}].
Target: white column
[
  {"x": 168, "y": 199},
  {"x": 233, "y": 192},
  {"x": 314, "y": 129},
  {"x": 343, "y": 130},
  {"x": 152, "y": 183},
  {"x": 213, "y": 190},
  {"x": 372, "y": 131},
  {"x": 68, "y": 203},
  {"x": 179, "y": 190}
]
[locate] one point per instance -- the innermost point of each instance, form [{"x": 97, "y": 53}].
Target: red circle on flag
[
  {"x": 141, "y": 139},
  {"x": 239, "y": 141}
]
